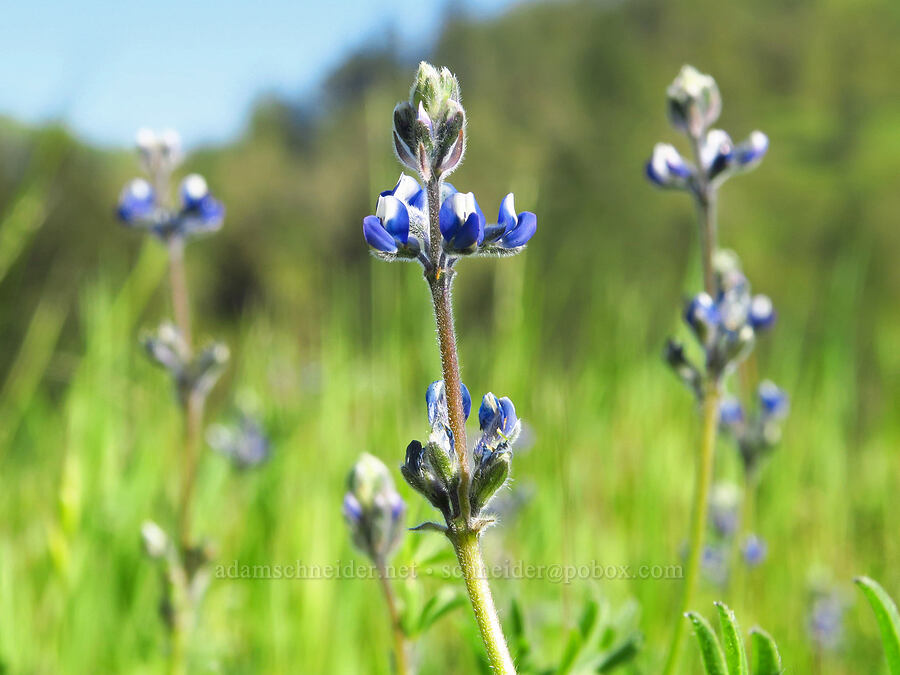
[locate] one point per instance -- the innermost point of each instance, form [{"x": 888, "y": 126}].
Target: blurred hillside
[{"x": 565, "y": 102}]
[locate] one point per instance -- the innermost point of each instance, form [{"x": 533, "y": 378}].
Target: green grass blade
[
  {"x": 710, "y": 651},
  {"x": 735, "y": 654},
  {"x": 440, "y": 604},
  {"x": 888, "y": 620},
  {"x": 767, "y": 660}
]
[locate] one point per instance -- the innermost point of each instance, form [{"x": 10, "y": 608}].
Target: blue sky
[{"x": 106, "y": 68}]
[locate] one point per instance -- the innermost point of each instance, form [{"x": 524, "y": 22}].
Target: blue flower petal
[
  {"x": 466, "y": 400},
  {"x": 394, "y": 216},
  {"x": 523, "y": 231},
  {"x": 376, "y": 236},
  {"x": 762, "y": 312},
  {"x": 508, "y": 410},
  {"x": 507, "y": 215},
  {"x": 488, "y": 410},
  {"x": 136, "y": 201},
  {"x": 773, "y": 400},
  {"x": 730, "y": 411}
]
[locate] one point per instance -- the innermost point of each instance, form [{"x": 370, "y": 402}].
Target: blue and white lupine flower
[
  {"x": 137, "y": 201},
  {"x": 462, "y": 223},
  {"x": 762, "y": 312},
  {"x": 724, "y": 504},
  {"x": 721, "y": 158},
  {"x": 408, "y": 191},
  {"x": 716, "y": 152},
  {"x": 731, "y": 412},
  {"x": 373, "y": 509},
  {"x": 714, "y": 563},
  {"x": 694, "y": 101},
  {"x": 199, "y": 213},
  {"x": 703, "y": 316},
  {"x": 757, "y": 432},
  {"x": 773, "y": 401},
  {"x": 825, "y": 621},
  {"x": 498, "y": 423},
  {"x": 245, "y": 443},
  {"x": 388, "y": 230},
  {"x": 754, "y": 550},
  {"x": 436, "y": 403},
  {"x": 668, "y": 169},
  {"x": 749, "y": 153},
  {"x": 512, "y": 231}
]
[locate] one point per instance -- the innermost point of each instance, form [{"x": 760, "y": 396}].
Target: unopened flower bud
[
  {"x": 429, "y": 128},
  {"x": 762, "y": 312},
  {"x": 702, "y": 315},
  {"x": 373, "y": 509},
  {"x": 425, "y": 479},
  {"x": 155, "y": 540},
  {"x": 490, "y": 476},
  {"x": 694, "y": 102},
  {"x": 754, "y": 550}
]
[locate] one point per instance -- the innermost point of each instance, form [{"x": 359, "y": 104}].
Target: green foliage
[
  {"x": 888, "y": 620},
  {"x": 767, "y": 660},
  {"x": 733, "y": 659}
]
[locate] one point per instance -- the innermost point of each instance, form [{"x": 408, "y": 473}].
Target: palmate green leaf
[
  {"x": 735, "y": 654},
  {"x": 766, "y": 659},
  {"x": 888, "y": 619},
  {"x": 710, "y": 651}
]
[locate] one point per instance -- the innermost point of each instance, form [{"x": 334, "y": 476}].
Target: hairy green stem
[
  {"x": 192, "y": 409},
  {"x": 703, "y": 482},
  {"x": 461, "y": 531},
  {"x": 468, "y": 553},
  {"x": 401, "y": 658}
]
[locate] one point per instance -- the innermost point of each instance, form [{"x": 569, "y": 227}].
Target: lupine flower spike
[
  {"x": 144, "y": 204},
  {"x": 724, "y": 317},
  {"x": 435, "y": 224}
]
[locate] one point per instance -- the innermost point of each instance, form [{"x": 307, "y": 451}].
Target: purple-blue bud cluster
[
  {"x": 198, "y": 211},
  {"x": 373, "y": 509},
  {"x": 400, "y": 229},
  {"x": 245, "y": 442},
  {"x": 758, "y": 431},
  {"x": 694, "y": 106},
  {"x": 193, "y": 374},
  {"x": 432, "y": 468}
]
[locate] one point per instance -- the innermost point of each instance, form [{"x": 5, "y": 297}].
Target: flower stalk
[
  {"x": 401, "y": 649},
  {"x": 435, "y": 225},
  {"x": 724, "y": 318},
  {"x": 462, "y": 533}
]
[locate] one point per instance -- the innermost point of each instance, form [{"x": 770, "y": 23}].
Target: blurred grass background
[{"x": 565, "y": 102}]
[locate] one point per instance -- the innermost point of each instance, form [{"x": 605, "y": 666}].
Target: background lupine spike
[{"x": 373, "y": 508}]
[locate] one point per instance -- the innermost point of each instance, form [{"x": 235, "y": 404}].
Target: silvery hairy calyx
[
  {"x": 725, "y": 318},
  {"x": 427, "y": 220},
  {"x": 145, "y": 204}
]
